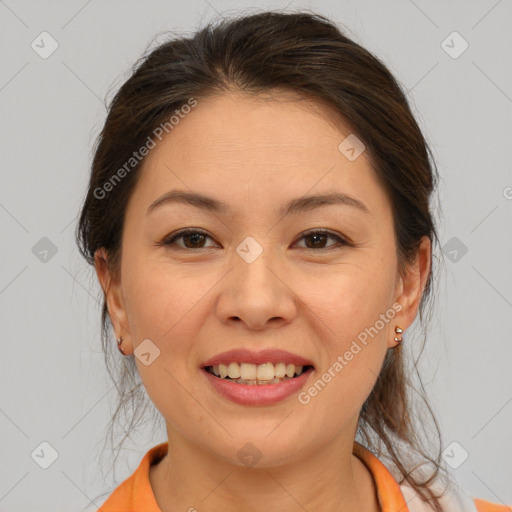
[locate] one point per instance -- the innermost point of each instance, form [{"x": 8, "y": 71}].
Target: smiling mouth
[{"x": 251, "y": 374}]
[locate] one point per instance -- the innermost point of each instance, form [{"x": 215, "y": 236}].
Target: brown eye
[
  {"x": 319, "y": 238},
  {"x": 192, "y": 239},
  {"x": 195, "y": 239}
]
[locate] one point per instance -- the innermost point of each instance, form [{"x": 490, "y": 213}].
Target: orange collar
[{"x": 136, "y": 494}]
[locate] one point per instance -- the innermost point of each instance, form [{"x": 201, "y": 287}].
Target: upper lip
[{"x": 242, "y": 355}]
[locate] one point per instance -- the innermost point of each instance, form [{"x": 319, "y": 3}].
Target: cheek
[
  {"x": 169, "y": 306},
  {"x": 348, "y": 300},
  {"x": 160, "y": 307},
  {"x": 352, "y": 319},
  {"x": 158, "y": 299}
]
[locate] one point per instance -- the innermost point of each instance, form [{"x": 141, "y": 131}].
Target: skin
[{"x": 256, "y": 153}]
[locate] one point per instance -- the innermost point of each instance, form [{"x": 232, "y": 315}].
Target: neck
[{"x": 189, "y": 478}]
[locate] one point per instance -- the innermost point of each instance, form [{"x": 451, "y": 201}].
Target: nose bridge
[
  {"x": 254, "y": 292},
  {"x": 253, "y": 266}
]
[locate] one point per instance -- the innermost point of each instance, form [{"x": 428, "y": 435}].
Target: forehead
[
  {"x": 280, "y": 124},
  {"x": 274, "y": 146}
]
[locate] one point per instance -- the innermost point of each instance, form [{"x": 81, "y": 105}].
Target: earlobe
[
  {"x": 111, "y": 286},
  {"x": 412, "y": 283}
]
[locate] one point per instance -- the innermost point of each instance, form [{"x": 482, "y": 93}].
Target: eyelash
[{"x": 168, "y": 241}]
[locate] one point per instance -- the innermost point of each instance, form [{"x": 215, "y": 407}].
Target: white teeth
[
  {"x": 223, "y": 371},
  {"x": 279, "y": 370},
  {"x": 265, "y": 371},
  {"x": 234, "y": 371},
  {"x": 248, "y": 373}
]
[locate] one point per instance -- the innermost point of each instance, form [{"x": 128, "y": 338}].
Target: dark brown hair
[{"x": 307, "y": 54}]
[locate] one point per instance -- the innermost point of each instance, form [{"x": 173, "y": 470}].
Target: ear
[
  {"x": 111, "y": 286},
  {"x": 411, "y": 284}
]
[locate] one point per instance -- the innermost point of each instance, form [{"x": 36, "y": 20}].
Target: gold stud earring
[
  {"x": 119, "y": 343},
  {"x": 398, "y": 330}
]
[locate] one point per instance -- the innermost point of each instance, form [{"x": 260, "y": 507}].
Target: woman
[{"x": 258, "y": 217}]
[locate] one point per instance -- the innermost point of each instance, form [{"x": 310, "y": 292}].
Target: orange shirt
[{"x": 136, "y": 495}]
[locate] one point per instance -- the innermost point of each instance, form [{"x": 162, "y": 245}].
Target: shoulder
[
  {"x": 488, "y": 506},
  {"x": 453, "y": 499},
  {"x": 135, "y": 493},
  {"x": 402, "y": 496}
]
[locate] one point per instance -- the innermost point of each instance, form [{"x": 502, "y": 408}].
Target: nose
[{"x": 257, "y": 293}]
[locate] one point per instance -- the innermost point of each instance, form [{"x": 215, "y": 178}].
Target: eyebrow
[{"x": 294, "y": 206}]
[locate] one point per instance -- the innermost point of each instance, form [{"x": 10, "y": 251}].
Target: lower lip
[{"x": 257, "y": 394}]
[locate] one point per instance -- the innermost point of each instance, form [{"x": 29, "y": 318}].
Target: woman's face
[{"x": 253, "y": 280}]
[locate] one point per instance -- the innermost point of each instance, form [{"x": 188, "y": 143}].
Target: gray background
[{"x": 53, "y": 383}]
